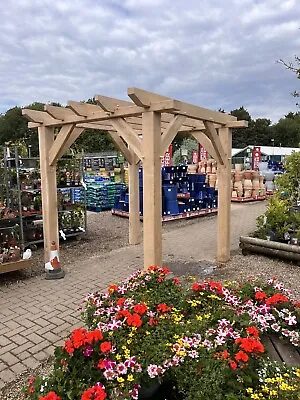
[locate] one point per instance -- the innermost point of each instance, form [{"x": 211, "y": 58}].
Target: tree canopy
[{"x": 286, "y": 132}]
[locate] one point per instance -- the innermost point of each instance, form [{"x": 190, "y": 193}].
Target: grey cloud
[{"x": 210, "y": 53}]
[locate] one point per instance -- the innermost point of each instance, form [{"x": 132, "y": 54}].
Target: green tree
[
  {"x": 287, "y": 131},
  {"x": 294, "y": 67}
]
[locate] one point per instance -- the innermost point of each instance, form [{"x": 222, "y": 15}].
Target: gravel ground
[{"x": 105, "y": 233}]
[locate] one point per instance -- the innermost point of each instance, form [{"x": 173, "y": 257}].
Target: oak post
[
  {"x": 134, "y": 202},
  {"x": 224, "y": 198},
  {"x": 152, "y": 212},
  {"x": 49, "y": 193}
]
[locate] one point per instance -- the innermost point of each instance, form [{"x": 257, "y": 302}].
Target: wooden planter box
[{"x": 15, "y": 265}]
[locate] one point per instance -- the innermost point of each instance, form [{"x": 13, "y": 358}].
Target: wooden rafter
[{"x": 147, "y": 99}]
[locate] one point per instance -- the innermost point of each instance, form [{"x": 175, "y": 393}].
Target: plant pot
[
  {"x": 146, "y": 392},
  {"x": 248, "y": 175}
]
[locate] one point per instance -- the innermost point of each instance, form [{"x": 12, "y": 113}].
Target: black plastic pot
[{"x": 164, "y": 391}]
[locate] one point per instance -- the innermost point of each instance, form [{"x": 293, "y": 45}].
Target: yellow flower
[
  {"x": 124, "y": 347},
  {"x": 176, "y": 336},
  {"x": 94, "y": 320},
  {"x": 130, "y": 378},
  {"x": 147, "y": 333},
  {"x": 273, "y": 393},
  {"x": 120, "y": 379},
  {"x": 207, "y": 316},
  {"x": 254, "y": 396},
  {"x": 118, "y": 357},
  {"x": 199, "y": 317},
  {"x": 110, "y": 333},
  {"x": 249, "y": 390},
  {"x": 129, "y": 341},
  {"x": 134, "y": 328},
  {"x": 298, "y": 372}
]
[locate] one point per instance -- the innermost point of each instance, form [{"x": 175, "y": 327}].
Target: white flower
[{"x": 275, "y": 327}]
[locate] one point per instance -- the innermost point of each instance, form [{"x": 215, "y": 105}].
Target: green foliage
[
  {"x": 280, "y": 216},
  {"x": 189, "y": 145}
]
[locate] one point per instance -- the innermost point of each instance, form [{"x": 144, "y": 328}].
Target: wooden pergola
[{"x": 142, "y": 130}]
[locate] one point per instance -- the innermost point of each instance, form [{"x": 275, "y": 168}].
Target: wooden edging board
[
  {"x": 15, "y": 266},
  {"x": 247, "y": 199}
]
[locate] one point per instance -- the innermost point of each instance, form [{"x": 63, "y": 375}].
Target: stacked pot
[
  {"x": 209, "y": 167},
  {"x": 247, "y": 184}
]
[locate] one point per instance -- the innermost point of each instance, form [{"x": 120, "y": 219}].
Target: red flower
[
  {"x": 152, "y": 268},
  {"x": 297, "y": 304},
  {"x": 123, "y": 313},
  {"x": 276, "y": 298},
  {"x": 134, "y": 320},
  {"x": 224, "y": 354},
  {"x": 31, "y": 380},
  {"x": 163, "y": 308},
  {"x": 233, "y": 365},
  {"x": 105, "y": 347},
  {"x": 121, "y": 301},
  {"x": 196, "y": 287},
  {"x": 140, "y": 308},
  {"x": 176, "y": 281},
  {"x": 165, "y": 271},
  {"x": 241, "y": 356},
  {"x": 160, "y": 279},
  {"x": 101, "y": 364},
  {"x": 153, "y": 321},
  {"x": 252, "y": 331},
  {"x": 260, "y": 296},
  {"x": 93, "y": 336},
  {"x": 112, "y": 288},
  {"x": 31, "y": 389},
  {"x": 50, "y": 396},
  {"x": 78, "y": 337},
  {"x": 216, "y": 286},
  {"x": 94, "y": 393},
  {"x": 250, "y": 345},
  {"x": 68, "y": 346}
]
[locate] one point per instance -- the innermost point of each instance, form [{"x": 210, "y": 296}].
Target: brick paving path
[{"x": 36, "y": 315}]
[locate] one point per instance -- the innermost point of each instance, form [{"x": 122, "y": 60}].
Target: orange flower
[
  {"x": 105, "y": 347},
  {"x": 233, "y": 365},
  {"x": 241, "y": 356},
  {"x": 121, "y": 301},
  {"x": 93, "y": 336},
  {"x": 163, "y": 308},
  {"x": 68, "y": 346},
  {"x": 140, "y": 308},
  {"x": 51, "y": 396},
  {"x": 276, "y": 298},
  {"x": 134, "y": 320},
  {"x": 260, "y": 296},
  {"x": 251, "y": 330},
  {"x": 250, "y": 345},
  {"x": 224, "y": 354},
  {"x": 112, "y": 288}
]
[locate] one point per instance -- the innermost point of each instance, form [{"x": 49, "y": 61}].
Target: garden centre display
[
  {"x": 105, "y": 164},
  {"x": 281, "y": 221},
  {"x": 208, "y": 340},
  {"x": 184, "y": 193},
  {"x": 21, "y": 197},
  {"x": 247, "y": 185}
]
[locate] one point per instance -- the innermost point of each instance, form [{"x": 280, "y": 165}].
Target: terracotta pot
[
  {"x": 234, "y": 194},
  {"x": 255, "y": 192},
  {"x": 247, "y": 175},
  {"x": 212, "y": 178},
  {"x": 238, "y": 187},
  {"x": 255, "y": 183},
  {"x": 192, "y": 169},
  {"x": 214, "y": 167},
  {"x": 255, "y": 175},
  {"x": 238, "y": 176},
  {"x": 247, "y": 193}
]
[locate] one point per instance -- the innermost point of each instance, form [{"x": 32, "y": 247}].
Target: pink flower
[
  {"x": 88, "y": 351},
  {"x": 130, "y": 362},
  {"x": 121, "y": 369}
]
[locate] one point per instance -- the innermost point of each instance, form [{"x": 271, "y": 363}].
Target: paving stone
[
  {"x": 4, "y": 341},
  {"x": 9, "y": 358},
  {"x": 18, "y": 350},
  {"x": 7, "y": 375},
  {"x": 18, "y": 368},
  {"x": 31, "y": 362},
  {"x": 33, "y": 337}
]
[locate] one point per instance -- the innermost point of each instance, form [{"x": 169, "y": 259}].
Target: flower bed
[{"x": 150, "y": 329}]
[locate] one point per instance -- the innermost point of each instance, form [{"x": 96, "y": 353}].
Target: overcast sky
[{"x": 213, "y": 53}]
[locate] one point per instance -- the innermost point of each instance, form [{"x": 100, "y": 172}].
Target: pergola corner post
[
  {"x": 224, "y": 198},
  {"x": 49, "y": 201},
  {"x": 152, "y": 195},
  {"x": 134, "y": 201}
]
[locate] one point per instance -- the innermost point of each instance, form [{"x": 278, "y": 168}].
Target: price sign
[
  {"x": 203, "y": 153},
  {"x": 167, "y": 158},
  {"x": 256, "y": 155}
]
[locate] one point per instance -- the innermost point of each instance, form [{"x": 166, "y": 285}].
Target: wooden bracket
[
  {"x": 205, "y": 142},
  {"x": 122, "y": 147},
  {"x": 168, "y": 136},
  {"x": 129, "y": 135},
  {"x": 216, "y": 142},
  {"x": 57, "y": 148}
]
